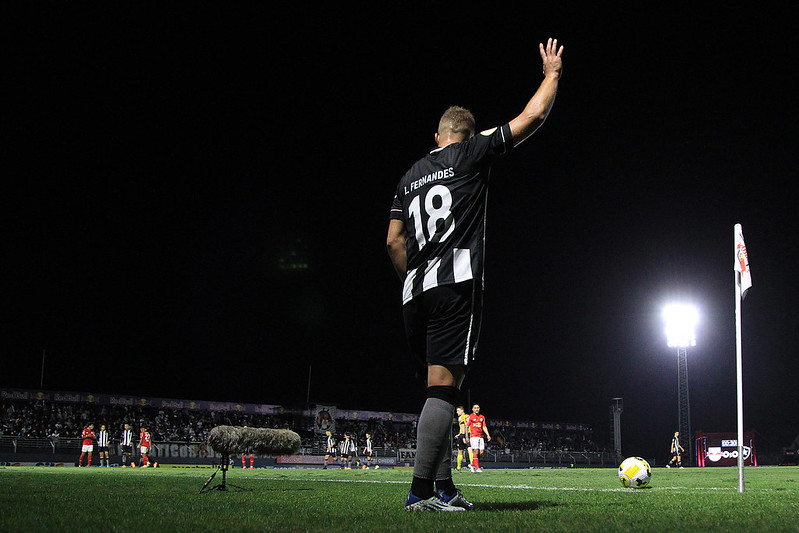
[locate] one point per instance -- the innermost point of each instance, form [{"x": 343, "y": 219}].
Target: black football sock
[
  {"x": 422, "y": 488},
  {"x": 447, "y": 485},
  {"x": 433, "y": 438}
]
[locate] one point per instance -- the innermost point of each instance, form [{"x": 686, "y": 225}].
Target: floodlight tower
[
  {"x": 616, "y": 408},
  {"x": 681, "y": 322}
]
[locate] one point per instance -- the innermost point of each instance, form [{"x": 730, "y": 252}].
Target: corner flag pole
[
  {"x": 740, "y": 388},
  {"x": 742, "y": 276}
]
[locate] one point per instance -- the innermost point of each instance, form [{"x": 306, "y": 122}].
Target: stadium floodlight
[{"x": 681, "y": 323}]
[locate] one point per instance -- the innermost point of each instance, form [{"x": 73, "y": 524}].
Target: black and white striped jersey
[
  {"x": 127, "y": 437},
  {"x": 103, "y": 438},
  {"x": 348, "y": 447},
  {"x": 442, "y": 201}
]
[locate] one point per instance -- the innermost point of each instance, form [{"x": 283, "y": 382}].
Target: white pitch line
[{"x": 489, "y": 486}]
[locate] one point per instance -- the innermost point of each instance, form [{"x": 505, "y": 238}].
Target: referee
[{"x": 435, "y": 242}]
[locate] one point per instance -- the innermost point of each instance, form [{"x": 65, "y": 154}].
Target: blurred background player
[
  {"x": 145, "y": 441},
  {"x": 88, "y": 445},
  {"x": 348, "y": 450},
  {"x": 244, "y": 460},
  {"x": 330, "y": 448},
  {"x": 477, "y": 428},
  {"x": 368, "y": 451},
  {"x": 462, "y": 438},
  {"x": 103, "y": 441},
  {"x": 676, "y": 451},
  {"x": 126, "y": 441}
]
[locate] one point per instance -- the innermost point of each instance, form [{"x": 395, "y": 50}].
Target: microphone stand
[{"x": 223, "y": 466}]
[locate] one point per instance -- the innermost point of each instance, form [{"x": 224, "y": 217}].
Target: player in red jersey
[
  {"x": 244, "y": 460},
  {"x": 477, "y": 428},
  {"x": 88, "y": 444},
  {"x": 145, "y": 442}
]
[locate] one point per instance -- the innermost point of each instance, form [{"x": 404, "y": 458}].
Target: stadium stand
[{"x": 49, "y": 423}]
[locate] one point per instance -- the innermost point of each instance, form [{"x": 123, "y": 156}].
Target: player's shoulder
[{"x": 498, "y": 136}]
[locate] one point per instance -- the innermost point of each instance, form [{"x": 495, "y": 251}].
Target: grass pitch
[{"x": 34, "y": 499}]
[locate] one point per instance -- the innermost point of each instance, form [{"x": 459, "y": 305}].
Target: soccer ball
[{"x": 635, "y": 472}]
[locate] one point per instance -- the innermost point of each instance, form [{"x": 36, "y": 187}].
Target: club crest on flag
[{"x": 742, "y": 260}]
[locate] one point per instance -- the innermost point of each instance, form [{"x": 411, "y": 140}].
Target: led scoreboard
[{"x": 721, "y": 449}]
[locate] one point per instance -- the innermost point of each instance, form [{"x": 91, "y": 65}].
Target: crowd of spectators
[
  {"x": 37, "y": 419},
  {"x": 545, "y": 440},
  {"x": 45, "y": 420}
]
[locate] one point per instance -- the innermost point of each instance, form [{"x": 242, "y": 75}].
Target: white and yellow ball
[{"x": 635, "y": 472}]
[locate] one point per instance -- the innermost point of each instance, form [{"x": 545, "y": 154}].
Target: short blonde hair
[{"x": 458, "y": 120}]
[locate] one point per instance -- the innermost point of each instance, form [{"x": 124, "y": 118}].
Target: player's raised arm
[{"x": 539, "y": 106}]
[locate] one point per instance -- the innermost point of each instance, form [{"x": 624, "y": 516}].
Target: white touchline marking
[{"x": 488, "y": 486}]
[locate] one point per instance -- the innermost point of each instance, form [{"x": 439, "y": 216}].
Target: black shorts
[
  {"x": 102, "y": 449},
  {"x": 442, "y": 325},
  {"x": 460, "y": 444},
  {"x": 127, "y": 449}
]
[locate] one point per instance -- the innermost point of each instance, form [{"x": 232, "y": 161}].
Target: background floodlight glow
[{"x": 681, "y": 321}]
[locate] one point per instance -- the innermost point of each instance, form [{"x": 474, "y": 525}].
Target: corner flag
[
  {"x": 743, "y": 280},
  {"x": 742, "y": 261}
]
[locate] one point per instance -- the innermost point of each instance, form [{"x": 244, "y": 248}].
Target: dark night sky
[{"x": 167, "y": 164}]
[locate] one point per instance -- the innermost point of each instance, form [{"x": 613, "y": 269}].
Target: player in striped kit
[
  {"x": 436, "y": 242},
  {"x": 126, "y": 441},
  {"x": 676, "y": 451},
  {"x": 103, "y": 442},
  {"x": 348, "y": 450},
  {"x": 330, "y": 449},
  {"x": 368, "y": 451}
]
